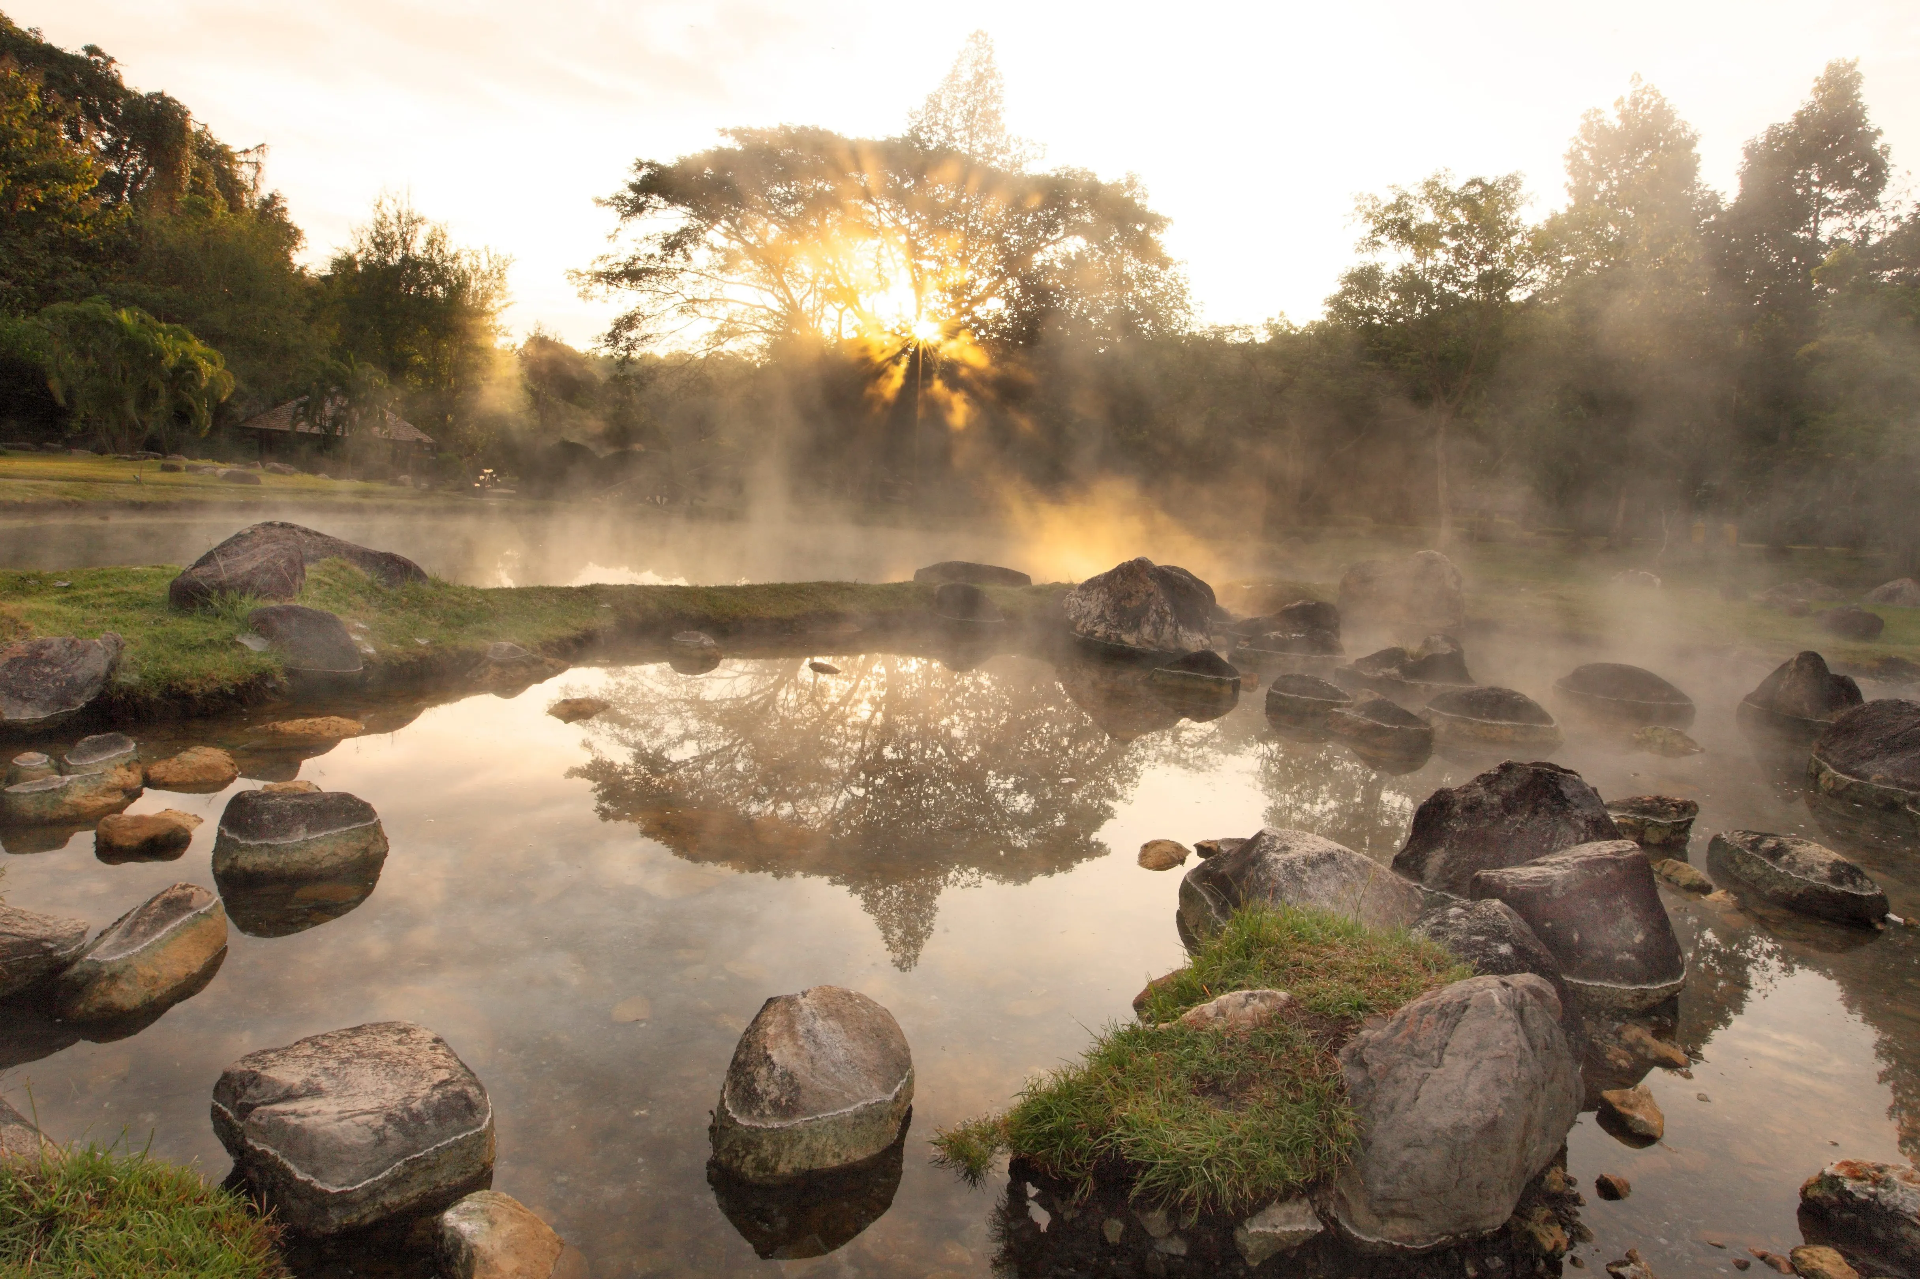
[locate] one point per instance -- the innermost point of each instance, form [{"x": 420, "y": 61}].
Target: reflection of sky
[{"x": 513, "y": 921}]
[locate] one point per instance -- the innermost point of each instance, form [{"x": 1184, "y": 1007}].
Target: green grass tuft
[
  {"x": 1206, "y": 1120},
  {"x": 100, "y": 1214}
]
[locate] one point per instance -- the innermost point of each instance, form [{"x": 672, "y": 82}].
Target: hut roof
[{"x": 283, "y": 418}]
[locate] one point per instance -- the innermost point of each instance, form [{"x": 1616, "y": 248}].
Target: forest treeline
[{"x": 935, "y": 319}]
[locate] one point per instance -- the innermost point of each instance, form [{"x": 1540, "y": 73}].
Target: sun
[{"x": 925, "y": 330}]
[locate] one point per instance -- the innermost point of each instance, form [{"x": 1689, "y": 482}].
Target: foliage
[
  {"x": 89, "y": 1213},
  {"x": 126, "y": 376},
  {"x": 1211, "y": 1120}
]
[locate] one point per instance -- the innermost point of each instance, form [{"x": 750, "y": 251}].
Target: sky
[{"x": 1254, "y": 127}]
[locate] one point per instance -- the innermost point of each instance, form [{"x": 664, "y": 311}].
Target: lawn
[{"x": 31, "y": 480}]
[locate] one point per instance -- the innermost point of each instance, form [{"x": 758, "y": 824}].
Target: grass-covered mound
[
  {"x": 1211, "y": 1120},
  {"x": 98, "y": 1214}
]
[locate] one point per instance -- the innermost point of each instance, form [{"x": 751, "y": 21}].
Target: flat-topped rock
[
  {"x": 1419, "y": 592},
  {"x": 1510, "y": 814},
  {"x": 36, "y": 948},
  {"x": 1491, "y": 718},
  {"x": 1383, "y": 729},
  {"x": 270, "y": 561},
  {"x": 1462, "y": 1098},
  {"x": 71, "y": 799},
  {"x": 972, "y": 574},
  {"x": 140, "y": 837},
  {"x": 1800, "y": 693},
  {"x": 1625, "y": 694},
  {"x": 1304, "y": 700},
  {"x": 1295, "y": 868},
  {"x": 46, "y": 681},
  {"x": 1143, "y": 606},
  {"x": 100, "y": 753},
  {"x": 1800, "y": 875},
  {"x": 30, "y": 766},
  {"x": 196, "y": 770},
  {"x": 821, "y": 1079},
  {"x": 308, "y": 731},
  {"x": 1309, "y": 627},
  {"x": 1597, "y": 908},
  {"x": 307, "y": 639},
  {"x": 1870, "y": 756},
  {"x": 150, "y": 958},
  {"x": 346, "y": 1129},
  {"x": 1869, "y": 1211},
  {"x": 571, "y": 710},
  {"x": 1654, "y": 821}
]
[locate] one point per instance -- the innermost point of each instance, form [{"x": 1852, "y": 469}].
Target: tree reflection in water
[
  {"x": 1322, "y": 787},
  {"x": 896, "y": 780}
]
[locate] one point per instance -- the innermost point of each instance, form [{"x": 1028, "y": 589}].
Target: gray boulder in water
[
  {"x": 35, "y": 948},
  {"x": 1140, "y": 605},
  {"x": 46, "y": 681},
  {"x": 270, "y": 561},
  {"x": 1800, "y": 875},
  {"x": 822, "y": 1079},
  {"x": 1489, "y": 937},
  {"x": 1800, "y": 693},
  {"x": 1463, "y": 1097},
  {"x": 1869, "y": 1211},
  {"x": 1509, "y": 814},
  {"x": 1870, "y": 757},
  {"x": 1295, "y": 868},
  {"x": 972, "y": 574},
  {"x": 149, "y": 959},
  {"x": 287, "y": 861},
  {"x": 307, "y": 639},
  {"x": 353, "y": 1127}
]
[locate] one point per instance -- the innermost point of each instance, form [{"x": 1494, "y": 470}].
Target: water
[{"x": 590, "y": 915}]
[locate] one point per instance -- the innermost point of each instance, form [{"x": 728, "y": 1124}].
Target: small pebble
[
  {"x": 1609, "y": 1186},
  {"x": 823, "y": 668},
  {"x": 1700, "y": 1096},
  {"x": 1741, "y": 1263}
]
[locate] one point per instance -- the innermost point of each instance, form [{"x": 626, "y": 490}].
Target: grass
[
  {"x": 1210, "y": 1120},
  {"x": 31, "y": 481},
  {"x": 88, "y": 1213}
]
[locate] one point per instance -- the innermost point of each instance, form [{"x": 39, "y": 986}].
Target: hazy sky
[{"x": 1253, "y": 125}]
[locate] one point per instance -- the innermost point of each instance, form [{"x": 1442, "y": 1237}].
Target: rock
[
  {"x": 820, "y": 1080},
  {"x": 1281, "y": 1226},
  {"x": 1597, "y": 909},
  {"x": 295, "y": 787},
  {"x": 1418, "y": 593},
  {"x": 173, "y": 467},
  {"x": 823, "y": 668},
  {"x": 1611, "y": 1186},
  {"x": 270, "y": 561},
  {"x": 35, "y": 948},
  {"x": 1870, "y": 756},
  {"x": 19, "y": 1139},
  {"x": 286, "y": 861},
  {"x": 1800, "y": 875},
  {"x": 280, "y": 468},
  {"x": 1303, "y": 627},
  {"x": 1850, "y": 621},
  {"x": 694, "y": 640},
  {"x": 1238, "y": 1010},
  {"x": 1657, "y": 739},
  {"x": 569, "y": 710},
  {"x": 240, "y": 477},
  {"x": 1438, "y": 662},
  {"x": 1643, "y": 1046},
  {"x": 46, "y": 681},
  {"x": 1205, "y": 848},
  {"x": 1625, "y": 694},
  {"x": 960, "y": 602},
  {"x": 1162, "y": 854},
  {"x": 1461, "y": 1097},
  {"x": 1142, "y": 606},
  {"x": 1634, "y": 1110},
  {"x": 77, "y": 799},
  {"x": 1507, "y": 815},
  {"x": 1869, "y": 1211},
  {"x": 1654, "y": 821},
  {"x": 307, "y": 639},
  {"x": 311, "y": 731},
  {"x": 101, "y": 753},
  {"x": 196, "y": 770},
  {"x": 1682, "y": 876},
  {"x": 1383, "y": 729},
  {"x": 151, "y": 957},
  {"x": 161, "y": 836},
  {"x": 1202, "y": 680},
  {"x": 1489, "y": 937},
  {"x": 1295, "y": 868},
  {"x": 1631, "y": 1267},
  {"x": 29, "y": 766},
  {"x": 1483, "y": 718},
  {"x": 1800, "y": 693},
  {"x": 1902, "y": 592},
  {"x": 349, "y": 1128},
  {"x": 1817, "y": 1261},
  {"x": 1303, "y": 700},
  {"x": 973, "y": 574},
  {"x": 488, "y": 1235}
]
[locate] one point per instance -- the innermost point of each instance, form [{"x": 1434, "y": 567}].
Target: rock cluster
[
  {"x": 1507, "y": 815},
  {"x": 1143, "y": 606}
]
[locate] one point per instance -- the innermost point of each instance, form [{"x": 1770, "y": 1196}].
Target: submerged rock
[
  {"x": 570, "y": 710},
  {"x": 1491, "y": 718},
  {"x": 1142, "y": 606},
  {"x": 1902, "y": 592},
  {"x": 1800, "y": 694},
  {"x": 35, "y": 948},
  {"x": 1654, "y": 821},
  {"x": 1870, "y": 756},
  {"x": 127, "y": 837},
  {"x": 1681, "y": 875},
  {"x": 820, "y": 1080},
  {"x": 488, "y": 1235},
  {"x": 1597, "y": 908},
  {"x": 46, "y": 681},
  {"x": 1419, "y": 593},
  {"x": 307, "y": 639},
  {"x": 196, "y": 770},
  {"x": 270, "y": 561},
  {"x": 353, "y": 1127},
  {"x": 1626, "y": 694},
  {"x": 71, "y": 799},
  {"x": 1295, "y": 868},
  {"x": 972, "y": 574},
  {"x": 1463, "y": 1096},
  {"x": 1202, "y": 674},
  {"x": 1657, "y": 739},
  {"x": 1634, "y": 1111},
  {"x": 1850, "y": 621},
  {"x": 150, "y": 958},
  {"x": 1800, "y": 875},
  {"x": 1869, "y": 1211},
  {"x": 1382, "y": 731},
  {"x": 1507, "y": 815},
  {"x": 311, "y": 731},
  {"x": 1303, "y": 701}
]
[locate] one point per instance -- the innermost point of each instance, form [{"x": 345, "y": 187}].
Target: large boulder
[
  {"x": 822, "y": 1079},
  {"x": 151, "y": 958},
  {"x": 1800, "y": 875},
  {"x": 1509, "y": 814},
  {"x": 1869, "y": 1211},
  {"x": 71, "y": 798},
  {"x": 1295, "y": 868},
  {"x": 1902, "y": 592},
  {"x": 1800, "y": 693},
  {"x": 46, "y": 681},
  {"x": 269, "y": 561},
  {"x": 1484, "y": 719},
  {"x": 488, "y": 1235},
  {"x": 1462, "y": 1098},
  {"x": 286, "y": 861},
  {"x": 1622, "y": 694},
  {"x": 1597, "y": 908},
  {"x": 1416, "y": 594},
  {"x": 1870, "y": 756},
  {"x": 307, "y": 639},
  {"x": 35, "y": 948},
  {"x": 1490, "y": 938},
  {"x": 353, "y": 1127},
  {"x": 972, "y": 574},
  {"x": 1140, "y": 605},
  {"x": 1850, "y": 621}
]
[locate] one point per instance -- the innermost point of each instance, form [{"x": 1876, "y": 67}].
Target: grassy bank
[
  {"x": 31, "y": 482},
  {"x": 98, "y": 1214},
  {"x": 1207, "y": 1120}
]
